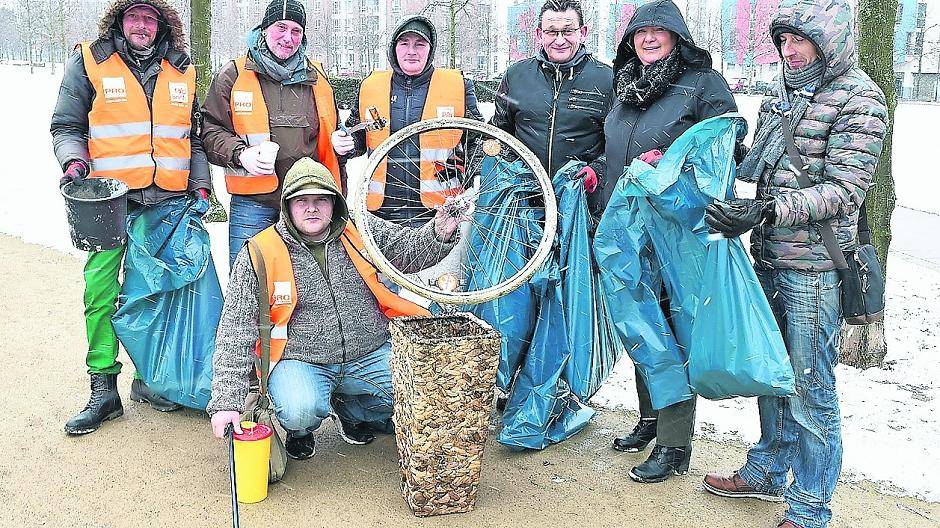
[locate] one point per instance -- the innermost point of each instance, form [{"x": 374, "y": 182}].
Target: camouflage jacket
[{"x": 839, "y": 138}]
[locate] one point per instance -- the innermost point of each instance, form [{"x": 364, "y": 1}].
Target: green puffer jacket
[{"x": 839, "y": 138}]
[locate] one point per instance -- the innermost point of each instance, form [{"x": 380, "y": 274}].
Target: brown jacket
[{"x": 292, "y": 113}]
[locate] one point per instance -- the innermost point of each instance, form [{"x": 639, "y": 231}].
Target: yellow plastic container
[{"x": 252, "y": 458}]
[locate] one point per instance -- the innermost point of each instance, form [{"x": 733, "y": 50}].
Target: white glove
[
  {"x": 253, "y": 162},
  {"x": 342, "y": 142}
]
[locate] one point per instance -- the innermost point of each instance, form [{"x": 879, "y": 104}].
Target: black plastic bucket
[{"x": 96, "y": 209}]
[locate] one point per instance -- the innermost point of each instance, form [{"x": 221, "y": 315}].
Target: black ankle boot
[
  {"x": 104, "y": 404},
  {"x": 140, "y": 392},
  {"x": 662, "y": 463},
  {"x": 642, "y": 435}
]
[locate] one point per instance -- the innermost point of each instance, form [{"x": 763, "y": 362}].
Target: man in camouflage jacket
[{"x": 838, "y": 119}]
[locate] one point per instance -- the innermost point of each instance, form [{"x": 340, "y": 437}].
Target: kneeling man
[{"x": 330, "y": 341}]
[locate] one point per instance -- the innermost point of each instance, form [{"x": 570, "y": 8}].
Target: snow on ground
[
  {"x": 890, "y": 426},
  {"x": 890, "y": 416}
]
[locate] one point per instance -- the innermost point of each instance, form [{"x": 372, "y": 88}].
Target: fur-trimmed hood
[{"x": 170, "y": 22}]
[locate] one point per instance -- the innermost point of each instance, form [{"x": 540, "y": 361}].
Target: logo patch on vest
[
  {"x": 445, "y": 111},
  {"x": 179, "y": 94},
  {"x": 281, "y": 293},
  {"x": 242, "y": 102},
  {"x": 114, "y": 89}
]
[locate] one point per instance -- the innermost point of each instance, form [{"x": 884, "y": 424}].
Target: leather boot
[
  {"x": 104, "y": 404},
  {"x": 140, "y": 392},
  {"x": 642, "y": 435},
  {"x": 663, "y": 463}
]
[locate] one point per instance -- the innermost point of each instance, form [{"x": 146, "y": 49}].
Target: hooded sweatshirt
[
  {"x": 699, "y": 93},
  {"x": 70, "y": 117},
  {"x": 839, "y": 138},
  {"x": 336, "y": 319},
  {"x": 409, "y": 93}
]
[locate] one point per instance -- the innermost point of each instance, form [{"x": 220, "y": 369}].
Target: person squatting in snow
[
  {"x": 135, "y": 72},
  {"x": 330, "y": 341}
]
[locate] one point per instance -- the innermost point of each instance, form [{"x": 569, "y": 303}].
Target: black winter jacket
[
  {"x": 70, "y": 118},
  {"x": 556, "y": 110},
  {"x": 699, "y": 93}
]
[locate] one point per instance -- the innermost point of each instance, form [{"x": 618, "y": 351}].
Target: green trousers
[
  {"x": 674, "y": 424},
  {"x": 101, "y": 293}
]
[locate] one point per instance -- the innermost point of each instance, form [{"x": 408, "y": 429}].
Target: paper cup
[{"x": 268, "y": 151}]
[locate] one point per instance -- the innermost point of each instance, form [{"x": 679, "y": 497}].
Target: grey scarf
[
  {"x": 289, "y": 71},
  {"x": 769, "y": 144}
]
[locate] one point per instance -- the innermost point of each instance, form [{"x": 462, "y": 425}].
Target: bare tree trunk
[
  {"x": 200, "y": 35},
  {"x": 864, "y": 347}
]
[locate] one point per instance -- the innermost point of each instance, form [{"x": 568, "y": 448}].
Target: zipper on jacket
[
  {"x": 556, "y": 85},
  {"x": 339, "y": 320}
]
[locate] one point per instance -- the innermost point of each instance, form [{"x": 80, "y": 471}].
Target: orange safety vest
[
  {"x": 282, "y": 286},
  {"x": 445, "y": 99},
  {"x": 131, "y": 139},
  {"x": 250, "y": 120}
]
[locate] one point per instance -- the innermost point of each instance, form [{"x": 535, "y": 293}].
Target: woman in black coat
[{"x": 663, "y": 84}]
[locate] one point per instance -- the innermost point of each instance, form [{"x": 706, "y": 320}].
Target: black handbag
[{"x": 862, "y": 280}]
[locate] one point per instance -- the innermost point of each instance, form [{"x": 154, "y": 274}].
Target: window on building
[{"x": 921, "y": 14}]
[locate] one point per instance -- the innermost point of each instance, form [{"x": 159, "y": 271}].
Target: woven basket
[{"x": 443, "y": 373}]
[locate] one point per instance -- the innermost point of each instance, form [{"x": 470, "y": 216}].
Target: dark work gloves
[{"x": 738, "y": 215}]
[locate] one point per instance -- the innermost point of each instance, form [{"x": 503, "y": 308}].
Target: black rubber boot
[
  {"x": 140, "y": 392},
  {"x": 663, "y": 463},
  {"x": 104, "y": 404},
  {"x": 642, "y": 435}
]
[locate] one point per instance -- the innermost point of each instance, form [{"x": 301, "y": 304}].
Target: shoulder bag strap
[
  {"x": 264, "y": 318},
  {"x": 796, "y": 165}
]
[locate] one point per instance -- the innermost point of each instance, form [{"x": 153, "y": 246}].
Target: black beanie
[{"x": 291, "y": 10}]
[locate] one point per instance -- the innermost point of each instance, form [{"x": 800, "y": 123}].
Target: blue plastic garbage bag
[
  {"x": 541, "y": 409},
  {"x": 595, "y": 347},
  {"x": 512, "y": 315},
  {"x": 660, "y": 212},
  {"x": 170, "y": 300}
]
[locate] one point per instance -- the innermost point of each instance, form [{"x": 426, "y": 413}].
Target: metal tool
[
  {"x": 376, "y": 123},
  {"x": 230, "y": 433}
]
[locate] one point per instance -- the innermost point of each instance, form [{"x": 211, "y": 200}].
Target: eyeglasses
[{"x": 555, "y": 33}]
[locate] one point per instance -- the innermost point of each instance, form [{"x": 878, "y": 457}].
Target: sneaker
[
  {"x": 642, "y": 435},
  {"x": 140, "y": 392},
  {"x": 736, "y": 488},
  {"x": 300, "y": 447},
  {"x": 354, "y": 434}
]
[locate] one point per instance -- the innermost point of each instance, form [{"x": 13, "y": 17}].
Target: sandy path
[{"x": 152, "y": 469}]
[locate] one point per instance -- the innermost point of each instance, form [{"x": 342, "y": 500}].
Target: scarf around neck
[
  {"x": 290, "y": 71},
  {"x": 795, "y": 88},
  {"x": 638, "y": 85}
]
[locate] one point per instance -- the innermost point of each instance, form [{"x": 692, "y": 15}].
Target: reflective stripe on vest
[
  {"x": 129, "y": 141},
  {"x": 251, "y": 123},
  {"x": 445, "y": 99},
  {"x": 282, "y": 287}
]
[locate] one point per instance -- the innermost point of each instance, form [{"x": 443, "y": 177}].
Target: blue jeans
[
  {"x": 802, "y": 433},
  {"x": 359, "y": 391},
  {"x": 246, "y": 219}
]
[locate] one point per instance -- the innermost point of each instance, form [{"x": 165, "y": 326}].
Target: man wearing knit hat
[
  {"x": 330, "y": 341},
  {"x": 127, "y": 110},
  {"x": 264, "y": 111},
  {"x": 417, "y": 177}
]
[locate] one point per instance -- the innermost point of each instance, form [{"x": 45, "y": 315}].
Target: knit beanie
[{"x": 291, "y": 10}]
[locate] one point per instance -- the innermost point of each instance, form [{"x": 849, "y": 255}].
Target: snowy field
[{"x": 890, "y": 417}]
